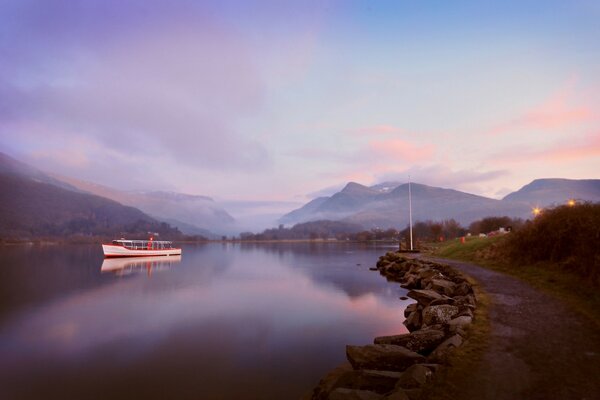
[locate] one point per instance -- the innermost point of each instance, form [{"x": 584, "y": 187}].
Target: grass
[
  {"x": 549, "y": 277},
  {"x": 449, "y": 381}
]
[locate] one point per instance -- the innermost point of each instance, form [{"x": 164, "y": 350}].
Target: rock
[
  {"x": 413, "y": 321},
  {"x": 443, "y": 300},
  {"x": 441, "y": 314},
  {"x": 424, "y": 297},
  {"x": 441, "y": 352},
  {"x": 382, "y": 357},
  {"x": 397, "y": 395},
  {"x": 462, "y": 289},
  {"x": 413, "y": 394},
  {"x": 341, "y": 376},
  {"x": 465, "y": 311},
  {"x": 421, "y": 341},
  {"x": 375, "y": 381},
  {"x": 460, "y": 322},
  {"x": 414, "y": 377},
  {"x": 409, "y": 309},
  {"x": 409, "y": 283},
  {"x": 443, "y": 286},
  {"x": 353, "y": 394}
]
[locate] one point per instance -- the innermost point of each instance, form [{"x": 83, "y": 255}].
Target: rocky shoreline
[{"x": 397, "y": 367}]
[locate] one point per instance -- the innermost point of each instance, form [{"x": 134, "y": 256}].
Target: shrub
[{"x": 568, "y": 235}]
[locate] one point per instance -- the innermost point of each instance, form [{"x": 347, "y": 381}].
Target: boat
[{"x": 139, "y": 248}]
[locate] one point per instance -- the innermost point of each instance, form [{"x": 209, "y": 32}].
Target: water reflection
[
  {"x": 126, "y": 266},
  {"x": 228, "y": 322}
]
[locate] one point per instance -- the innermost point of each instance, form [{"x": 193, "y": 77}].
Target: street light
[{"x": 536, "y": 211}]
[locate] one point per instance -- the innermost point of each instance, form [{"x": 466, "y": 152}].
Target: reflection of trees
[{"x": 332, "y": 264}]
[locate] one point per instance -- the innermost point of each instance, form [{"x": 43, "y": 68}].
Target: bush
[{"x": 566, "y": 235}]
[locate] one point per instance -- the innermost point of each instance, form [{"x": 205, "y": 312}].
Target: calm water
[{"x": 224, "y": 321}]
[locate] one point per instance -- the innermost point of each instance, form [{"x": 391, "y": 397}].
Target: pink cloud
[
  {"x": 400, "y": 149},
  {"x": 563, "y": 151},
  {"x": 383, "y": 129},
  {"x": 555, "y": 113}
]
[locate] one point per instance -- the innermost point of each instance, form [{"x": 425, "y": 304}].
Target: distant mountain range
[
  {"x": 192, "y": 214},
  {"x": 386, "y": 205},
  {"x": 33, "y": 205}
]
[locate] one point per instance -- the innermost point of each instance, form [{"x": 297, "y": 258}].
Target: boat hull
[{"x": 111, "y": 251}]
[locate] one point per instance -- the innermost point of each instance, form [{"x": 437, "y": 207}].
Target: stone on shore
[
  {"x": 343, "y": 375},
  {"x": 424, "y": 297},
  {"x": 422, "y": 341},
  {"x": 409, "y": 309},
  {"x": 397, "y": 395},
  {"x": 353, "y": 394},
  {"x": 441, "y": 352},
  {"x": 441, "y": 314},
  {"x": 460, "y": 322},
  {"x": 414, "y": 377},
  {"x": 413, "y": 321},
  {"x": 443, "y": 286},
  {"x": 382, "y": 357}
]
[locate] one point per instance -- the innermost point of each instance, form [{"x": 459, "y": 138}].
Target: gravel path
[{"x": 539, "y": 348}]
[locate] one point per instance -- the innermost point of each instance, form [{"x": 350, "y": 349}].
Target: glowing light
[
  {"x": 536, "y": 211},
  {"x": 571, "y": 203}
]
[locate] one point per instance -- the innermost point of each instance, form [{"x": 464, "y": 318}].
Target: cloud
[
  {"x": 401, "y": 149},
  {"x": 557, "y": 112},
  {"x": 178, "y": 91},
  {"x": 378, "y": 130},
  {"x": 562, "y": 151}
]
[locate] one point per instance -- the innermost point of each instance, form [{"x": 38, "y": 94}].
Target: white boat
[{"x": 139, "y": 248}]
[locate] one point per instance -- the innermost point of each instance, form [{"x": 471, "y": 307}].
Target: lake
[{"x": 224, "y": 321}]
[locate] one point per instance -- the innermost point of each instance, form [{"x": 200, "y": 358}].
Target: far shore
[{"x": 58, "y": 241}]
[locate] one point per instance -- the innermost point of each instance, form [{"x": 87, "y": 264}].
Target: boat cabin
[{"x": 143, "y": 244}]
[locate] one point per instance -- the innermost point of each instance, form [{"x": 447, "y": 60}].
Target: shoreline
[{"x": 400, "y": 367}]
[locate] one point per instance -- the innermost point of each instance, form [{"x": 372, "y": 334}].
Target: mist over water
[{"x": 224, "y": 321}]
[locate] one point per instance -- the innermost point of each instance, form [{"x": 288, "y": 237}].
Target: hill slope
[
  {"x": 32, "y": 205},
  {"x": 545, "y": 192}
]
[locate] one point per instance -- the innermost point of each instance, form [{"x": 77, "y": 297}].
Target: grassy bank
[{"x": 551, "y": 277}]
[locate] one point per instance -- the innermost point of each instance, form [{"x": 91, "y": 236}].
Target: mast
[{"x": 410, "y": 213}]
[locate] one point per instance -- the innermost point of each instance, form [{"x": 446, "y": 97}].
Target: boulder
[
  {"x": 421, "y": 341},
  {"x": 397, "y": 395},
  {"x": 414, "y": 377},
  {"x": 409, "y": 309},
  {"x": 443, "y": 286},
  {"x": 341, "y": 376},
  {"x": 441, "y": 314},
  {"x": 441, "y": 352},
  {"x": 460, "y": 322},
  {"x": 413, "y": 321},
  {"x": 424, "y": 297},
  {"x": 462, "y": 289},
  {"x": 382, "y": 357},
  {"x": 443, "y": 300},
  {"x": 353, "y": 394},
  {"x": 375, "y": 381}
]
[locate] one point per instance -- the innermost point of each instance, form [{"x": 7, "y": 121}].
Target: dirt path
[{"x": 539, "y": 348}]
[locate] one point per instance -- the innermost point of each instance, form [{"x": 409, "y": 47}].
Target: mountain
[
  {"x": 33, "y": 205},
  {"x": 385, "y": 205},
  {"x": 192, "y": 214},
  {"x": 545, "y": 192}
]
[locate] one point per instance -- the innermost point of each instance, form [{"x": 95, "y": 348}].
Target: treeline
[
  {"x": 565, "y": 235},
  {"x": 423, "y": 231}
]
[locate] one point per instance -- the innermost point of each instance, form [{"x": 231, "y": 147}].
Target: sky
[{"x": 277, "y": 102}]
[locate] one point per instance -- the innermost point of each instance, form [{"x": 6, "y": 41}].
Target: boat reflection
[{"x": 126, "y": 266}]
